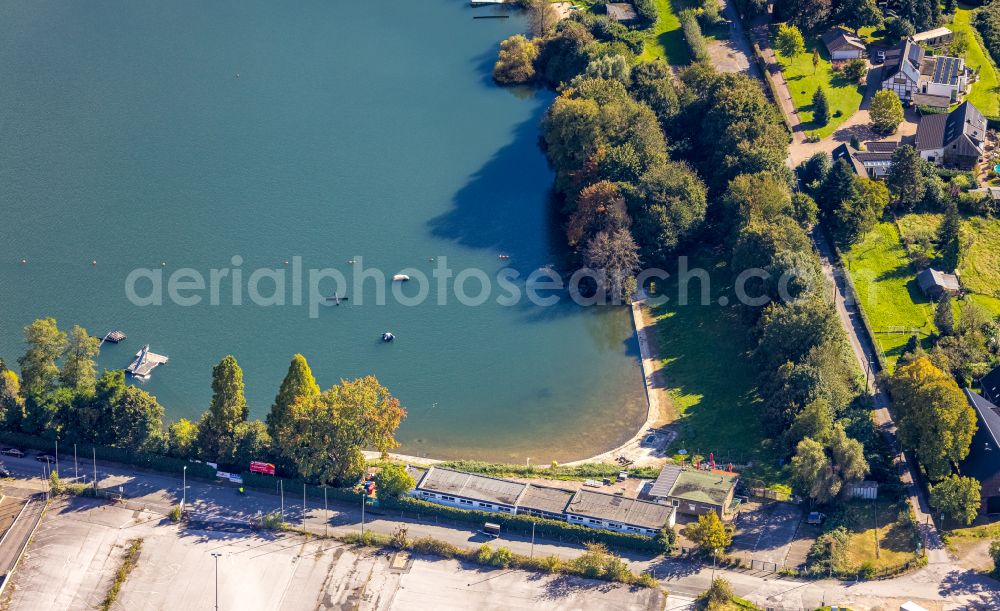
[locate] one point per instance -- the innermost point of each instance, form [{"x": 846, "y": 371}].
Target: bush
[
  {"x": 175, "y": 513},
  {"x": 503, "y": 558},
  {"x": 428, "y": 545},
  {"x": 867, "y": 571},
  {"x": 693, "y": 36},
  {"x": 272, "y": 521},
  {"x": 399, "y": 539}
]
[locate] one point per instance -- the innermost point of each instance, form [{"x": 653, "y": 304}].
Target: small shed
[
  {"x": 936, "y": 283},
  {"x": 622, "y": 12},
  {"x": 842, "y": 44},
  {"x": 865, "y": 490}
]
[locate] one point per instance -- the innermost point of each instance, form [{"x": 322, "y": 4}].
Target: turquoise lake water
[{"x": 353, "y": 129}]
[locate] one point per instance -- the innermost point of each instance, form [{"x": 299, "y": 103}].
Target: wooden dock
[
  {"x": 145, "y": 362},
  {"x": 114, "y": 337},
  {"x": 486, "y": 2}
]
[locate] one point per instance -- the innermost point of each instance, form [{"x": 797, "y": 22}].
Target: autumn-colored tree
[
  {"x": 600, "y": 207},
  {"x": 325, "y": 434},
  {"x": 709, "y": 534},
  {"x": 934, "y": 418}
]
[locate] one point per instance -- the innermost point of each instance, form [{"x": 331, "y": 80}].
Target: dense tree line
[
  {"x": 316, "y": 435},
  {"x": 987, "y": 21}
]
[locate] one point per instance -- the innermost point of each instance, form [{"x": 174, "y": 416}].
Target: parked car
[
  {"x": 12, "y": 452},
  {"x": 47, "y": 458},
  {"x": 491, "y": 529}
]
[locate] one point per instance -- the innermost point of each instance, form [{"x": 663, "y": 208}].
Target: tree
[
  {"x": 542, "y": 17},
  {"x": 182, "y": 438},
  {"x": 252, "y": 443},
  {"x": 11, "y": 403},
  {"x": 815, "y": 421},
  {"x": 934, "y": 418},
  {"x": 615, "y": 254},
  {"x": 886, "y": 111},
  {"x": 46, "y": 343},
  {"x": 855, "y": 70},
  {"x": 610, "y": 67},
  {"x": 859, "y": 13},
  {"x": 806, "y": 14},
  {"x": 789, "y": 40},
  {"x": 666, "y": 538},
  {"x": 79, "y": 369},
  {"x": 995, "y": 554},
  {"x": 709, "y": 534},
  {"x": 858, "y": 215},
  {"x": 516, "y": 61},
  {"x": 136, "y": 422},
  {"x": 815, "y": 59},
  {"x": 718, "y": 597},
  {"x": 959, "y": 43},
  {"x": 217, "y": 428},
  {"x": 298, "y": 382},
  {"x": 392, "y": 481},
  {"x": 944, "y": 316},
  {"x": 666, "y": 207},
  {"x": 599, "y": 207},
  {"x": 949, "y": 237},
  {"x": 812, "y": 472},
  {"x": 957, "y": 497},
  {"x": 325, "y": 433},
  {"x": 652, "y": 84},
  {"x": 906, "y": 179}
]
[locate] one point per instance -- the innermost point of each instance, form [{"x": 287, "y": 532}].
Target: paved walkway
[{"x": 785, "y": 103}]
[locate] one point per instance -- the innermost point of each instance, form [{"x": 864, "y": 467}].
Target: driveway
[{"x": 765, "y": 532}]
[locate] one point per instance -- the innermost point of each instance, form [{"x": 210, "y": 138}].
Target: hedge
[
  {"x": 693, "y": 36},
  {"x": 157, "y": 462}
]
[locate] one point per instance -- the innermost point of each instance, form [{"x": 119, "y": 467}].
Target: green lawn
[
  {"x": 985, "y": 93},
  {"x": 665, "y": 40},
  {"x": 980, "y": 268},
  {"x": 888, "y": 291},
  {"x": 803, "y": 80},
  {"x": 896, "y": 543},
  {"x": 703, "y": 350}
]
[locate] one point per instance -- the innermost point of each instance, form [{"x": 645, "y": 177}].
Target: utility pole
[
  {"x": 57, "y": 456},
  {"x": 303, "y": 504},
  {"x": 532, "y": 539},
  {"x": 184, "y": 491},
  {"x": 216, "y": 556},
  {"x": 326, "y": 514},
  {"x": 362, "y": 511},
  {"x": 281, "y": 486},
  {"x": 76, "y": 465}
]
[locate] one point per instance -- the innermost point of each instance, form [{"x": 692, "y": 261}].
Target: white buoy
[{"x": 400, "y": 278}]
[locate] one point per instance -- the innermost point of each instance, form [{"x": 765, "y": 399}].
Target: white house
[
  {"x": 469, "y": 490},
  {"x": 957, "y": 139},
  {"x": 843, "y": 45},
  {"x": 937, "y": 81},
  {"x": 615, "y": 512}
]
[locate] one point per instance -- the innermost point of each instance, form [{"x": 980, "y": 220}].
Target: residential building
[
  {"x": 843, "y": 45},
  {"x": 622, "y": 12},
  {"x": 695, "y": 491},
  {"x": 469, "y": 490},
  {"x": 917, "y": 78},
  {"x": 937, "y": 38},
  {"x": 991, "y": 386},
  {"x": 956, "y": 139},
  {"x": 544, "y": 502},
  {"x": 873, "y": 162},
  {"x": 935, "y": 283},
  {"x": 616, "y": 512},
  {"x": 983, "y": 461}
]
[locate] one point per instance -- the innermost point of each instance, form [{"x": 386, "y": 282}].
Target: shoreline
[{"x": 657, "y": 404}]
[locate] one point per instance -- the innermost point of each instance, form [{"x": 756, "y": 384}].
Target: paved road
[
  {"x": 157, "y": 492},
  {"x": 16, "y": 538}
]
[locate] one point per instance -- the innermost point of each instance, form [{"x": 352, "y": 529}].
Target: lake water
[{"x": 353, "y": 129}]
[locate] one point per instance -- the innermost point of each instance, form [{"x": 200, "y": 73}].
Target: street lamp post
[
  {"x": 216, "y": 556},
  {"x": 76, "y": 465},
  {"x": 362, "y": 511},
  {"x": 326, "y": 514},
  {"x": 184, "y": 489}
]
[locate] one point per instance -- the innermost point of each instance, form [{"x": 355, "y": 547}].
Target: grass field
[
  {"x": 888, "y": 291},
  {"x": 665, "y": 40},
  {"x": 703, "y": 350},
  {"x": 986, "y": 93},
  {"x": 803, "y": 80},
  {"x": 980, "y": 269},
  {"x": 896, "y": 544}
]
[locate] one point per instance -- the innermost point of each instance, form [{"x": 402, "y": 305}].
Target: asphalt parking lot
[
  {"x": 766, "y": 531},
  {"x": 78, "y": 546}
]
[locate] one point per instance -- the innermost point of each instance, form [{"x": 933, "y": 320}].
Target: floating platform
[
  {"x": 114, "y": 337},
  {"x": 145, "y": 362},
  {"x": 486, "y": 2}
]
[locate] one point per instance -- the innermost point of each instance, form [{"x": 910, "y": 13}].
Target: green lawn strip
[
  {"x": 896, "y": 537},
  {"x": 703, "y": 350},
  {"x": 803, "y": 80},
  {"x": 985, "y": 93},
  {"x": 665, "y": 40},
  {"x": 980, "y": 268},
  {"x": 888, "y": 291}
]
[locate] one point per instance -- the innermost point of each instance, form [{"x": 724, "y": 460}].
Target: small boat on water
[
  {"x": 388, "y": 336},
  {"x": 145, "y": 362},
  {"x": 337, "y": 299},
  {"x": 400, "y": 278}
]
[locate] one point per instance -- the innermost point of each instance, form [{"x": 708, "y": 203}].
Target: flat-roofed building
[
  {"x": 469, "y": 490},
  {"x": 545, "y": 502},
  {"x": 616, "y": 512}
]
